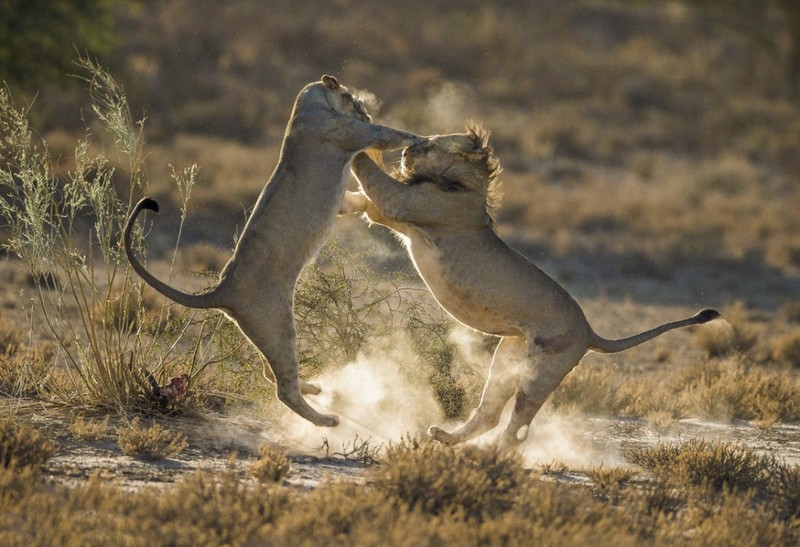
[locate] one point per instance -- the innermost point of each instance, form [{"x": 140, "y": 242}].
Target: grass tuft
[
  {"x": 21, "y": 446},
  {"x": 83, "y": 429},
  {"x": 437, "y": 479},
  {"x": 786, "y": 349},
  {"x": 272, "y": 465},
  {"x": 715, "y": 465},
  {"x": 150, "y": 443}
]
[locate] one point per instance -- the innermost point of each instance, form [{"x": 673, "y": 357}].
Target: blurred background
[{"x": 651, "y": 149}]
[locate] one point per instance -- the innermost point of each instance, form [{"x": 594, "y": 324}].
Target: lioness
[
  {"x": 290, "y": 222},
  {"x": 440, "y": 203}
]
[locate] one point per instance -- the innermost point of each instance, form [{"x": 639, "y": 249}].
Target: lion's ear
[{"x": 330, "y": 82}]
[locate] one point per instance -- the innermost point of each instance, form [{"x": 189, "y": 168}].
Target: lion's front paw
[{"x": 438, "y": 434}]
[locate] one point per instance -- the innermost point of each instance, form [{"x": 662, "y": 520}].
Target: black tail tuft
[
  {"x": 707, "y": 315},
  {"x": 148, "y": 203}
]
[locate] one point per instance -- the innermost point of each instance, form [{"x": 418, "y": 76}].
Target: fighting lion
[
  {"x": 290, "y": 222},
  {"x": 441, "y": 205}
]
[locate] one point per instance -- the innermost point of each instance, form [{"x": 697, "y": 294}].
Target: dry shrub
[
  {"x": 272, "y": 464},
  {"x": 357, "y": 450},
  {"x": 609, "y": 478},
  {"x": 730, "y": 389},
  {"x": 718, "y": 466},
  {"x": 214, "y": 509},
  {"x": 10, "y": 335},
  {"x": 732, "y": 520},
  {"x": 724, "y": 338},
  {"x": 223, "y": 509},
  {"x": 83, "y": 429},
  {"x": 22, "y": 446},
  {"x": 785, "y": 488},
  {"x": 122, "y": 311},
  {"x": 150, "y": 443},
  {"x": 786, "y": 349},
  {"x": 27, "y": 372},
  {"x": 437, "y": 479}
]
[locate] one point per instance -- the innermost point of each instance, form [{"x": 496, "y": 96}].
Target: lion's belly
[{"x": 456, "y": 290}]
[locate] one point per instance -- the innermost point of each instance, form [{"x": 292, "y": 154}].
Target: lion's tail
[
  {"x": 207, "y": 300},
  {"x": 602, "y": 345}
]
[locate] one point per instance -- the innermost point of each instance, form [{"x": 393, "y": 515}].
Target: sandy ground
[{"x": 216, "y": 443}]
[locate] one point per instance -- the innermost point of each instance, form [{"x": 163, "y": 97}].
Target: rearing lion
[
  {"x": 291, "y": 220},
  {"x": 441, "y": 206}
]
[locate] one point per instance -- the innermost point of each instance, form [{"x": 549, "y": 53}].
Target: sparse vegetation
[
  {"x": 724, "y": 389},
  {"x": 482, "y": 498},
  {"x": 359, "y": 450},
  {"x": 150, "y": 443},
  {"x": 440, "y": 480},
  {"x": 22, "y": 446},
  {"x": 272, "y": 464},
  {"x": 87, "y": 429},
  {"x": 717, "y": 466},
  {"x": 733, "y": 336},
  {"x": 95, "y": 313},
  {"x": 787, "y": 349}
]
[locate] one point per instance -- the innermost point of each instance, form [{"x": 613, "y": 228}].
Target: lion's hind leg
[
  {"x": 306, "y": 388},
  {"x": 272, "y": 331},
  {"x": 545, "y": 374},
  {"x": 500, "y": 386}
]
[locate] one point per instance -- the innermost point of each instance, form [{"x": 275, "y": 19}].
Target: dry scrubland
[{"x": 651, "y": 159}]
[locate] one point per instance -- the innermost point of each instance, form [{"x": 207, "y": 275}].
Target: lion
[
  {"x": 290, "y": 222},
  {"x": 441, "y": 202}
]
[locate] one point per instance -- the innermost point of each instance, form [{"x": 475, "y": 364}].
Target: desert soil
[{"x": 216, "y": 443}]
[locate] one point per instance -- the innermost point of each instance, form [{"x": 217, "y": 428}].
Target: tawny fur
[
  {"x": 440, "y": 206},
  {"x": 289, "y": 224}
]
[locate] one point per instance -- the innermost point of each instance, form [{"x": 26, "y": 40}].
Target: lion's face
[
  {"x": 458, "y": 161},
  {"x": 343, "y": 101}
]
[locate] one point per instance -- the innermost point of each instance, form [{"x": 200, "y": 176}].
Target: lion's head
[
  {"x": 343, "y": 101},
  {"x": 455, "y": 162}
]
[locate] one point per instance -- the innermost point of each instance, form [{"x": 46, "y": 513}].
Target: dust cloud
[
  {"x": 377, "y": 397},
  {"x": 383, "y": 395},
  {"x": 450, "y": 106}
]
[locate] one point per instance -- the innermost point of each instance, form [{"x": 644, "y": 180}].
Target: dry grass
[
  {"x": 272, "y": 464},
  {"x": 480, "y": 483},
  {"x": 22, "y": 446},
  {"x": 11, "y": 336},
  {"x": 718, "y": 466},
  {"x": 734, "y": 335},
  {"x": 480, "y": 497},
  {"x": 150, "y": 443},
  {"x": 786, "y": 349},
  {"x": 87, "y": 429},
  {"x": 730, "y": 388}
]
